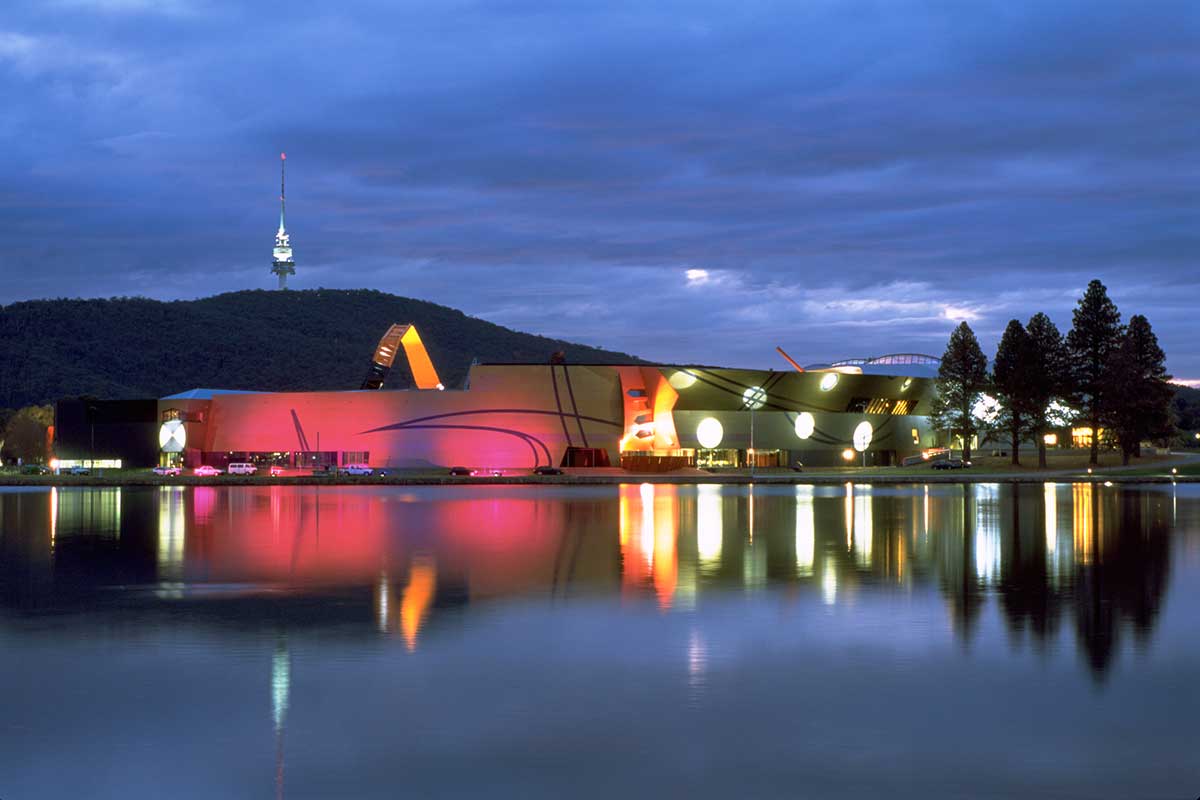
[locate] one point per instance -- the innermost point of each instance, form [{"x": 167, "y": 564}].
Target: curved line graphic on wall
[
  {"x": 558, "y": 404},
  {"x": 529, "y": 439},
  {"x": 771, "y": 398},
  {"x": 450, "y": 414},
  {"x": 824, "y": 437}
]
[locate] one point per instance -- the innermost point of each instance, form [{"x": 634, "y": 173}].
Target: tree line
[
  {"x": 23, "y": 433},
  {"x": 1110, "y": 375}
]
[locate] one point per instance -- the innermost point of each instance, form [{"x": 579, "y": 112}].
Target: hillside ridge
[{"x": 312, "y": 339}]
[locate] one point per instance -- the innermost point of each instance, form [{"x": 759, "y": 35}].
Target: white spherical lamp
[{"x": 709, "y": 433}]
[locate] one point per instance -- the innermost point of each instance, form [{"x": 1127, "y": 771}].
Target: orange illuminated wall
[
  {"x": 424, "y": 374},
  {"x": 649, "y": 417}
]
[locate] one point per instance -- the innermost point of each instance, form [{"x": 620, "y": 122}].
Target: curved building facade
[{"x": 521, "y": 416}]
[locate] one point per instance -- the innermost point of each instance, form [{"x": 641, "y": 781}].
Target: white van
[{"x": 241, "y": 468}]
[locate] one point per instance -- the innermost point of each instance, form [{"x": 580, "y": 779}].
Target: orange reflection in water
[
  {"x": 418, "y": 597},
  {"x": 649, "y": 533},
  {"x": 1082, "y": 510}
]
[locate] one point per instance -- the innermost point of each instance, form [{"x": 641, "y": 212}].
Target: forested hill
[{"x": 271, "y": 340}]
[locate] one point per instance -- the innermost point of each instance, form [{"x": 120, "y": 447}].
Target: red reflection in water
[{"x": 405, "y": 545}]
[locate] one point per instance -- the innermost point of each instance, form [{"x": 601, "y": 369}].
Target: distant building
[
  {"x": 106, "y": 433},
  {"x": 283, "y": 265}
]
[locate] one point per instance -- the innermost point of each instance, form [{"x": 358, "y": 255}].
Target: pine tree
[
  {"x": 1095, "y": 333},
  {"x": 1139, "y": 406},
  {"x": 1011, "y": 385},
  {"x": 962, "y": 377},
  {"x": 1047, "y": 375}
]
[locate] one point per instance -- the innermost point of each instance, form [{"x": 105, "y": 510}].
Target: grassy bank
[{"x": 1157, "y": 469}]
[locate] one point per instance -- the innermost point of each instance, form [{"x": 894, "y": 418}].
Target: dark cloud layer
[{"x": 687, "y": 181}]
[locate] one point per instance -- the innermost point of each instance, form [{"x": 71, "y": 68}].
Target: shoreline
[{"x": 1113, "y": 475}]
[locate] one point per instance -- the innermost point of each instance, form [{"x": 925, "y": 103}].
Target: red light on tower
[{"x": 283, "y": 156}]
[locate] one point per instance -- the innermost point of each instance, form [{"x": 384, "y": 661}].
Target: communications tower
[{"x": 282, "y": 265}]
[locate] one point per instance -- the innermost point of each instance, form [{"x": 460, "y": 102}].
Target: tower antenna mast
[{"x": 283, "y": 265}]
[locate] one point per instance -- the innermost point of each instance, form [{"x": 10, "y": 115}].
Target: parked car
[
  {"x": 461, "y": 471},
  {"x": 205, "y": 471},
  {"x": 34, "y": 469},
  {"x": 241, "y": 468},
  {"x": 276, "y": 471},
  {"x": 950, "y": 463},
  {"x": 78, "y": 471},
  {"x": 167, "y": 471},
  {"x": 547, "y": 471},
  {"x": 358, "y": 469}
]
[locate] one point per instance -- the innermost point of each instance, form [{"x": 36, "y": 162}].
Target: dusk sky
[{"x": 690, "y": 182}]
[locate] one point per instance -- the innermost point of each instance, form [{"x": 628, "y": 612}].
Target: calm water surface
[{"x": 652, "y": 641}]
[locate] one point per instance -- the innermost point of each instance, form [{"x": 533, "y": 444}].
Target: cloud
[
  {"x": 959, "y": 314},
  {"x": 854, "y": 177}
]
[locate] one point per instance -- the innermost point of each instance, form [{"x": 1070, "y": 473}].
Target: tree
[
  {"x": 1011, "y": 385},
  {"x": 1095, "y": 334},
  {"x": 1047, "y": 375},
  {"x": 962, "y": 377},
  {"x": 1139, "y": 407},
  {"x": 25, "y": 433}
]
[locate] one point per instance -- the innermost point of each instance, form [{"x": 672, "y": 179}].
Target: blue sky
[{"x": 685, "y": 181}]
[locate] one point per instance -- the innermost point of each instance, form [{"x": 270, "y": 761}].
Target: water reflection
[{"x": 396, "y": 561}]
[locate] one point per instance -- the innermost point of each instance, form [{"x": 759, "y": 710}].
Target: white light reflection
[
  {"x": 987, "y": 532},
  {"x": 806, "y": 531},
  {"x": 172, "y": 530},
  {"x": 646, "y": 540},
  {"x": 697, "y": 660},
  {"x": 1051, "y": 502},
  {"x": 925, "y": 517},
  {"x": 848, "y": 513},
  {"x": 383, "y": 602},
  {"x": 864, "y": 525},
  {"x": 1058, "y": 556},
  {"x": 53, "y": 516},
  {"x": 828, "y": 581},
  {"x": 709, "y": 526},
  {"x": 281, "y": 684}
]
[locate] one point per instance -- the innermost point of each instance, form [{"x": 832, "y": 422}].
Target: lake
[{"x": 636, "y": 641}]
